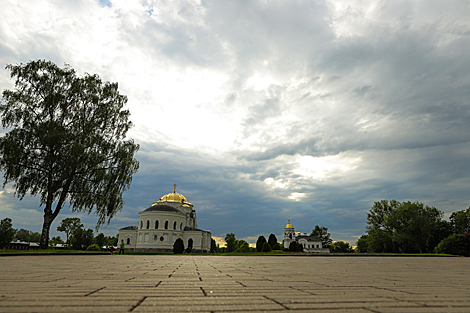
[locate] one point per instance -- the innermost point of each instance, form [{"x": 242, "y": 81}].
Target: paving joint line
[
  {"x": 138, "y": 303},
  {"x": 90, "y": 293},
  {"x": 277, "y": 302}
]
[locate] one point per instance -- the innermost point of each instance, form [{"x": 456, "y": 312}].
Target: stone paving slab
[{"x": 184, "y": 283}]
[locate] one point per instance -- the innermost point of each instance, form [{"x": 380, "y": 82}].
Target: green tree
[
  {"x": 214, "y": 246},
  {"x": 272, "y": 240},
  {"x": 323, "y": 234},
  {"x": 7, "y": 232},
  {"x": 66, "y": 141},
  {"x": 100, "y": 240},
  {"x": 378, "y": 215},
  {"x": 295, "y": 247},
  {"x": 454, "y": 244},
  {"x": 460, "y": 221},
  {"x": 244, "y": 247},
  {"x": 362, "y": 246},
  {"x": 69, "y": 226},
  {"x": 111, "y": 240},
  {"x": 231, "y": 242},
  {"x": 413, "y": 223},
  {"x": 56, "y": 240},
  {"x": 340, "y": 247},
  {"x": 82, "y": 238},
  {"x": 379, "y": 241},
  {"x": 259, "y": 243},
  {"x": 27, "y": 235},
  {"x": 266, "y": 247},
  {"x": 178, "y": 246},
  {"x": 441, "y": 230}
]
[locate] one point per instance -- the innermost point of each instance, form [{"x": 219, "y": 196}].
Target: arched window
[
  {"x": 156, "y": 224},
  {"x": 174, "y": 225},
  {"x": 181, "y": 226},
  {"x": 148, "y": 224},
  {"x": 190, "y": 243},
  {"x": 141, "y": 224},
  {"x": 290, "y": 236},
  {"x": 128, "y": 241},
  {"x": 166, "y": 224}
]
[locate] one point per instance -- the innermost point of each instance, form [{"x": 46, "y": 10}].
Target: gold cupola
[
  {"x": 289, "y": 225},
  {"x": 174, "y": 197}
]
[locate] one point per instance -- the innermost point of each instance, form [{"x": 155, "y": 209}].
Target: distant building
[
  {"x": 160, "y": 225},
  {"x": 21, "y": 245},
  {"x": 309, "y": 243}
]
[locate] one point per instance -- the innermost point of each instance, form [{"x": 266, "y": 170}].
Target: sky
[{"x": 268, "y": 111}]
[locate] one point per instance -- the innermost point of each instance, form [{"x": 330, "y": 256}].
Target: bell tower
[{"x": 289, "y": 235}]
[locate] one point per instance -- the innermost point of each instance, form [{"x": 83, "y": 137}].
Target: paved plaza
[{"x": 133, "y": 283}]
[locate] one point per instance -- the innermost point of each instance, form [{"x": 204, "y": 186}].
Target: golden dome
[
  {"x": 289, "y": 225},
  {"x": 173, "y": 197}
]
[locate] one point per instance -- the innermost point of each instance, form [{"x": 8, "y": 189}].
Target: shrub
[
  {"x": 93, "y": 247},
  {"x": 454, "y": 244},
  {"x": 260, "y": 243},
  {"x": 189, "y": 249},
  {"x": 266, "y": 247},
  {"x": 294, "y": 247},
  {"x": 178, "y": 246}
]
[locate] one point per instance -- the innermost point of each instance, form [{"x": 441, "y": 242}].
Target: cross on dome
[{"x": 174, "y": 188}]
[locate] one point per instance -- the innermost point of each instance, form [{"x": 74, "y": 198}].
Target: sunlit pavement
[{"x": 218, "y": 283}]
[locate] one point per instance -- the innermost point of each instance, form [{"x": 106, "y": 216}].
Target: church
[
  {"x": 160, "y": 225},
  {"x": 309, "y": 243}
]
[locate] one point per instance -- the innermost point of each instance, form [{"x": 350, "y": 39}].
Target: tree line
[
  {"x": 77, "y": 237},
  {"x": 413, "y": 227}
]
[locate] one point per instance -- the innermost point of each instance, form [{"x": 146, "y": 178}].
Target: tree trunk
[{"x": 45, "y": 231}]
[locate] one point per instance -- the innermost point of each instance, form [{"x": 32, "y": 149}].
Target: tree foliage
[
  {"x": 231, "y": 242},
  {"x": 69, "y": 226},
  {"x": 406, "y": 227},
  {"x": 322, "y": 233},
  {"x": 266, "y": 247},
  {"x": 100, "y": 240},
  {"x": 295, "y": 247},
  {"x": 460, "y": 221},
  {"x": 66, "y": 141},
  {"x": 243, "y": 246},
  {"x": 413, "y": 223},
  {"x": 82, "y": 238},
  {"x": 6, "y": 232},
  {"x": 454, "y": 244},
  {"x": 259, "y": 243},
  {"x": 340, "y": 247},
  {"x": 214, "y": 246},
  {"x": 272, "y": 240},
  {"x": 27, "y": 235},
  {"x": 178, "y": 246}
]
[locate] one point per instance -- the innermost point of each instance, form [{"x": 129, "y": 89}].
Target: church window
[
  {"x": 128, "y": 241},
  {"x": 166, "y": 224},
  {"x": 290, "y": 236},
  {"x": 190, "y": 243},
  {"x": 174, "y": 225},
  {"x": 318, "y": 246},
  {"x": 181, "y": 226},
  {"x": 156, "y": 224},
  {"x": 141, "y": 224},
  {"x": 148, "y": 224}
]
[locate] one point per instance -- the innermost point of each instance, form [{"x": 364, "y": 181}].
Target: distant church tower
[{"x": 289, "y": 235}]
